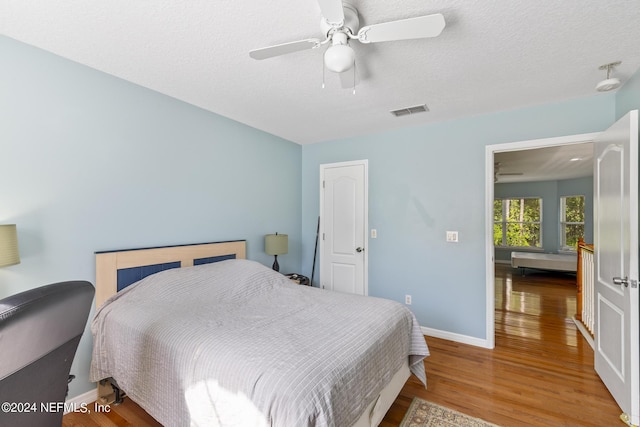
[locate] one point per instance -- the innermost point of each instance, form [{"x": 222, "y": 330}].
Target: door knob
[
  {"x": 359, "y": 249},
  {"x": 620, "y": 281}
]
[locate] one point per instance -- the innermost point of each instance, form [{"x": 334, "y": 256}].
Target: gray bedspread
[{"x": 237, "y": 344}]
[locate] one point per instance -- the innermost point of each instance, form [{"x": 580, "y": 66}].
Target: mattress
[{"x": 235, "y": 343}]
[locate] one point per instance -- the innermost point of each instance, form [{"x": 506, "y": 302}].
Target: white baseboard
[
  {"x": 463, "y": 339},
  {"x": 81, "y": 401}
]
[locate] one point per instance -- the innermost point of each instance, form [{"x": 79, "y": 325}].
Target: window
[
  {"x": 571, "y": 221},
  {"x": 517, "y": 222}
]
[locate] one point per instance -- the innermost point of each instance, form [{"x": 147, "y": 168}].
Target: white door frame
[
  {"x": 489, "y": 177},
  {"x": 365, "y": 164}
]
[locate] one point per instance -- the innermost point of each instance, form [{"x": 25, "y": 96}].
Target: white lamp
[
  {"x": 9, "y": 254},
  {"x": 276, "y": 244}
]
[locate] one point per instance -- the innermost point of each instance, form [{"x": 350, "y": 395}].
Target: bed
[
  {"x": 226, "y": 341},
  {"x": 543, "y": 261}
]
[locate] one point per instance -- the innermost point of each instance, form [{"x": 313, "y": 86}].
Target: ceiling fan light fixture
[
  {"x": 340, "y": 23},
  {"x": 339, "y": 58},
  {"x": 610, "y": 83}
]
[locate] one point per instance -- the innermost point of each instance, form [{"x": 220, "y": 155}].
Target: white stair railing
[
  {"x": 588, "y": 303},
  {"x": 586, "y": 289}
]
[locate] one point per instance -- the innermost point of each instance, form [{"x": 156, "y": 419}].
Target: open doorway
[
  {"x": 543, "y": 200},
  {"x": 506, "y": 151},
  {"x": 543, "y": 206}
]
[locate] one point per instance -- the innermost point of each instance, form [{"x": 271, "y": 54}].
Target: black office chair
[{"x": 39, "y": 333}]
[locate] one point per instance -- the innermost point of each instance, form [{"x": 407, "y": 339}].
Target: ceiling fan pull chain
[
  {"x": 323, "y": 74},
  {"x": 354, "y": 77}
]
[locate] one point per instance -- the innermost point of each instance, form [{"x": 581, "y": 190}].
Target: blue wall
[
  {"x": 628, "y": 97},
  {"x": 550, "y": 192},
  {"x": 90, "y": 162},
  {"x": 426, "y": 180}
]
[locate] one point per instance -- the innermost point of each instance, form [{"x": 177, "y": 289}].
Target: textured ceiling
[{"x": 491, "y": 56}]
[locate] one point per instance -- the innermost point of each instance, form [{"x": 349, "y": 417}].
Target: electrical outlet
[
  {"x": 452, "y": 236},
  {"x": 407, "y": 299}
]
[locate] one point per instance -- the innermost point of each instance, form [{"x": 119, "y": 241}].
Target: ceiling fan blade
[
  {"x": 404, "y": 29},
  {"x": 283, "y": 49},
  {"x": 332, "y": 11}
]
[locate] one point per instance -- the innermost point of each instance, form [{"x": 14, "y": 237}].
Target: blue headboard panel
[
  {"x": 127, "y": 276},
  {"x": 209, "y": 260}
]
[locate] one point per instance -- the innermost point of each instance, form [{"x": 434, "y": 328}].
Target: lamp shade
[
  {"x": 9, "y": 245},
  {"x": 276, "y": 244}
]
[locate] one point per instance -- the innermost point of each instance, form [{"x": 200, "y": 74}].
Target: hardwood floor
[{"x": 540, "y": 373}]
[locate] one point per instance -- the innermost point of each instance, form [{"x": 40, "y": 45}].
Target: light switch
[
  {"x": 374, "y": 233},
  {"x": 452, "y": 236}
]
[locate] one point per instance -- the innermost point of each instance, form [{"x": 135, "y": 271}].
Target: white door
[
  {"x": 343, "y": 227},
  {"x": 616, "y": 258}
]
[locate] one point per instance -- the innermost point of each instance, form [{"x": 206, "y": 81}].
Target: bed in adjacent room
[
  {"x": 228, "y": 341},
  {"x": 544, "y": 261}
]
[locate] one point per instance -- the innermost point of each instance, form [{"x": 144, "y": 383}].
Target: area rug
[{"x": 426, "y": 414}]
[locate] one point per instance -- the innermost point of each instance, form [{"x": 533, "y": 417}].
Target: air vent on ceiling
[{"x": 410, "y": 110}]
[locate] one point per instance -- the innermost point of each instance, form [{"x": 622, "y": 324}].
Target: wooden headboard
[{"x": 115, "y": 270}]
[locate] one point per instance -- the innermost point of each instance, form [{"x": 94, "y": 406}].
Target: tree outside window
[
  {"x": 517, "y": 222},
  {"x": 571, "y": 221}
]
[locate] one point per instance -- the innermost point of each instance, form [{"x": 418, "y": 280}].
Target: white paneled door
[
  {"x": 343, "y": 227},
  {"x": 616, "y": 263}
]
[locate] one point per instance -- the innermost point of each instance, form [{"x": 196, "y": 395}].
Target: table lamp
[
  {"x": 276, "y": 244},
  {"x": 9, "y": 245}
]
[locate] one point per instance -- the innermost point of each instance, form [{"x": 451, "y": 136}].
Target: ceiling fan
[
  {"x": 497, "y": 173},
  {"x": 340, "y": 24}
]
